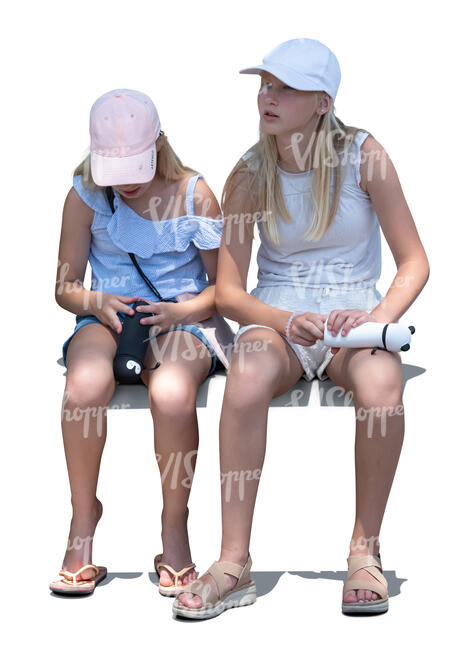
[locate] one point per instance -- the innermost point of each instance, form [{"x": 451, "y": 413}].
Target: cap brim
[
  {"x": 127, "y": 170},
  {"x": 290, "y": 77}
]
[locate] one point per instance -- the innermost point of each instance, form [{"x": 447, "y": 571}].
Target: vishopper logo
[
  {"x": 175, "y": 206},
  {"x": 242, "y": 349},
  {"x": 113, "y": 282},
  {"x": 99, "y": 287},
  {"x": 238, "y": 479},
  {"x": 311, "y": 276},
  {"x": 63, "y": 285},
  {"x": 352, "y": 156},
  {"x": 295, "y": 396},
  {"x": 369, "y": 545},
  {"x": 337, "y": 275},
  {"x": 196, "y": 350},
  {"x": 92, "y": 417},
  {"x": 181, "y": 463},
  {"x": 328, "y": 396},
  {"x": 242, "y": 219},
  {"x": 177, "y": 464},
  {"x": 376, "y": 417},
  {"x": 79, "y": 543}
]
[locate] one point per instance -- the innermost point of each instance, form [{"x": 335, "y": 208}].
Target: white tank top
[{"x": 350, "y": 251}]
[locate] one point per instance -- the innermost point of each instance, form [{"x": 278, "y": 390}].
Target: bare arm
[
  {"x": 203, "y": 305},
  {"x": 231, "y": 296},
  {"x": 379, "y": 178},
  {"x": 73, "y": 256}
]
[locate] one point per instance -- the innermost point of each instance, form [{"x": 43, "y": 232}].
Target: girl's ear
[{"x": 324, "y": 104}]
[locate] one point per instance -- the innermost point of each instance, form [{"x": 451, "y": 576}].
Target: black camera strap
[{"x": 110, "y": 198}]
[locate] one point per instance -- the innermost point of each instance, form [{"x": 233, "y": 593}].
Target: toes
[
  {"x": 366, "y": 595},
  {"x": 185, "y": 598},
  {"x": 360, "y": 595},
  {"x": 87, "y": 574},
  {"x": 165, "y": 578},
  {"x": 188, "y": 577},
  {"x": 189, "y": 600},
  {"x": 350, "y": 596}
]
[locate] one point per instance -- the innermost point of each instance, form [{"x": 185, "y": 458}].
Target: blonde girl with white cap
[
  {"x": 319, "y": 192},
  {"x": 133, "y": 201}
]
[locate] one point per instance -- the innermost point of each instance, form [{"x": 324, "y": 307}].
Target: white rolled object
[{"x": 394, "y": 337}]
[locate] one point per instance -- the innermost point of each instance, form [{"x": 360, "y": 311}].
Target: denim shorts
[{"x": 193, "y": 329}]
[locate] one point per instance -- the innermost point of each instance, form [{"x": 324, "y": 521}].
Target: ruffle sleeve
[
  {"x": 95, "y": 199},
  {"x": 143, "y": 237}
]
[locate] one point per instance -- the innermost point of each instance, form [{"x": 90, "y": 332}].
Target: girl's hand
[
  {"x": 347, "y": 318},
  {"x": 307, "y": 328},
  {"x": 164, "y": 315},
  {"x": 106, "y": 305}
]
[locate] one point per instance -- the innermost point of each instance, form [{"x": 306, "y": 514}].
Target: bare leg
[
  {"x": 263, "y": 366},
  {"x": 173, "y": 390},
  {"x": 376, "y": 384},
  {"x": 89, "y": 387}
]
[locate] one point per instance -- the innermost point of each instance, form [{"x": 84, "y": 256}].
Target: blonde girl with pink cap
[
  {"x": 133, "y": 199},
  {"x": 319, "y": 192}
]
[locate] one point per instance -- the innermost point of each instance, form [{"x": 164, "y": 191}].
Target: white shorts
[{"x": 314, "y": 358}]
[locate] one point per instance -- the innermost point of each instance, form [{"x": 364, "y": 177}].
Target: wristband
[{"x": 295, "y": 313}]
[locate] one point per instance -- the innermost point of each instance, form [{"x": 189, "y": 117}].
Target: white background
[{"x": 407, "y": 77}]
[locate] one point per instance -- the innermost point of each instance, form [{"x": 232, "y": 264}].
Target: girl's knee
[
  {"x": 175, "y": 398},
  {"x": 86, "y": 388},
  {"x": 379, "y": 384},
  {"x": 250, "y": 383}
]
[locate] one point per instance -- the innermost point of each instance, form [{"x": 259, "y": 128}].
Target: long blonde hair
[
  {"x": 258, "y": 166},
  {"x": 169, "y": 166}
]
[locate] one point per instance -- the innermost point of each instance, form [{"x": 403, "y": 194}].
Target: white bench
[{"x": 303, "y": 393}]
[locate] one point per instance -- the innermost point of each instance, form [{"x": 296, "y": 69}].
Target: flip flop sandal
[
  {"x": 372, "y": 564},
  {"x": 213, "y": 604},
  {"x": 175, "y": 589},
  {"x": 69, "y": 583}
]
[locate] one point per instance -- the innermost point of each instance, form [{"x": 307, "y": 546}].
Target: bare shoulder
[
  {"x": 205, "y": 203},
  {"x": 374, "y": 157},
  {"x": 241, "y": 191},
  {"x": 75, "y": 209},
  {"x": 371, "y": 144}
]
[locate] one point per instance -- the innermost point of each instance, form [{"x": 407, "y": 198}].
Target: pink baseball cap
[{"x": 124, "y": 126}]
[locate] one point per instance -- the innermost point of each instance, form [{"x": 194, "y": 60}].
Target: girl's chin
[
  {"x": 271, "y": 127},
  {"x": 137, "y": 192}
]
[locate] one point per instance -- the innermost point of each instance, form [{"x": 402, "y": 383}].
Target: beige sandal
[
  {"x": 70, "y": 584},
  {"x": 175, "y": 589},
  {"x": 213, "y": 604},
  {"x": 373, "y": 565}
]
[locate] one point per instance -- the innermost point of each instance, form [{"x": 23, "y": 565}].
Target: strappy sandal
[
  {"x": 175, "y": 589},
  {"x": 213, "y": 604},
  {"x": 373, "y": 565},
  {"x": 69, "y": 583}
]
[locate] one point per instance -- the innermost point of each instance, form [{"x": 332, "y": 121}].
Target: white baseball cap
[
  {"x": 304, "y": 64},
  {"x": 124, "y": 126}
]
